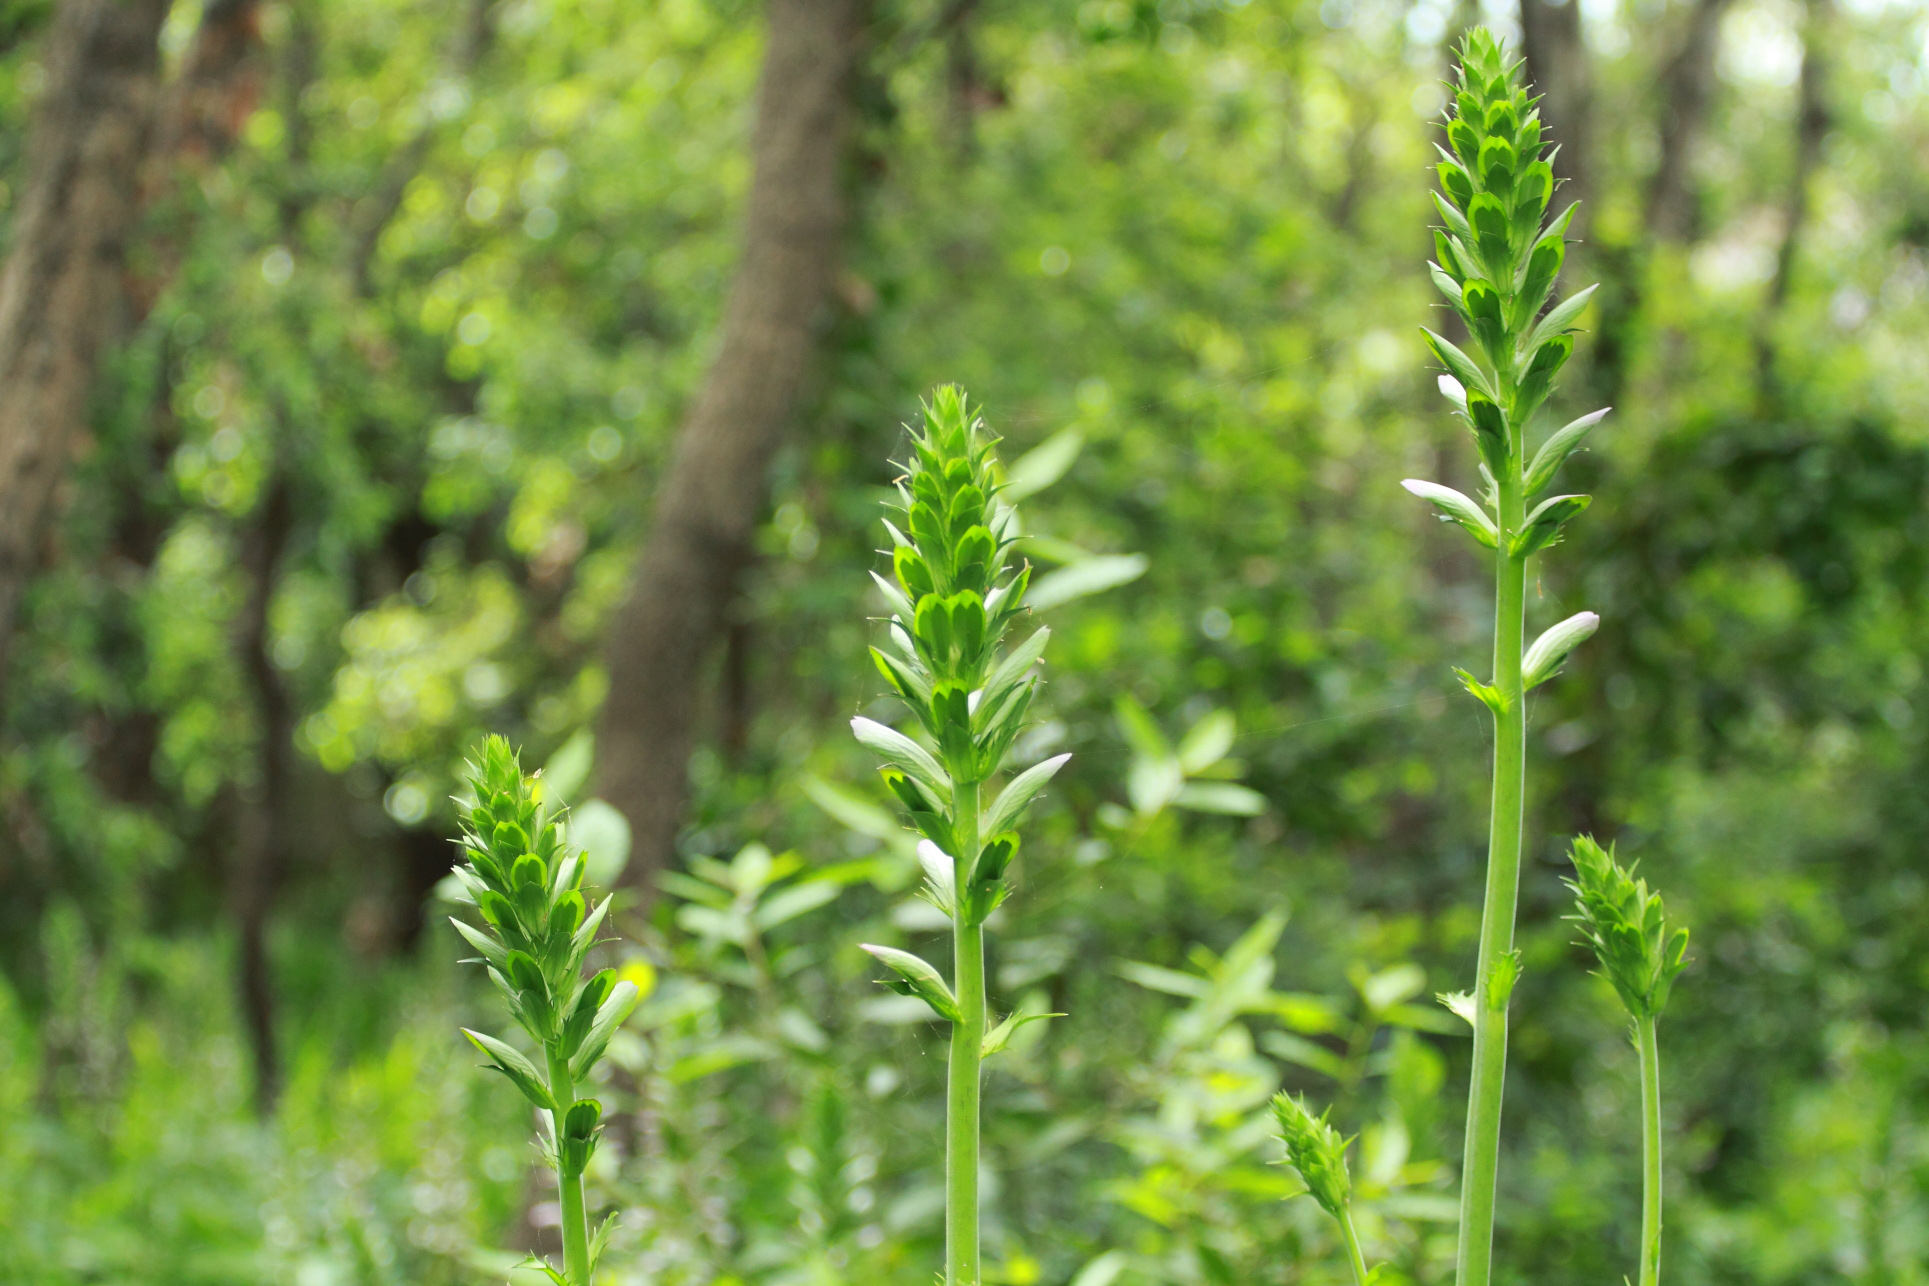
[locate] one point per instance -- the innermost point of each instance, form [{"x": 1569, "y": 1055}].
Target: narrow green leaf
[
  {"x": 1457, "y": 507},
  {"x": 491, "y": 950},
  {"x": 1554, "y": 452},
  {"x": 799, "y": 899},
  {"x": 1207, "y": 741},
  {"x": 1094, "y": 575},
  {"x": 1012, "y": 801},
  {"x": 1159, "y": 978},
  {"x": 1043, "y": 465},
  {"x": 609, "y": 1016},
  {"x": 1458, "y": 364},
  {"x": 916, "y": 978},
  {"x": 898, "y": 749},
  {"x": 1000, "y": 1036},
  {"x": 520, "y": 1071},
  {"x": 1225, "y": 797},
  {"x": 1015, "y": 665},
  {"x": 1543, "y": 659},
  {"x": 1560, "y": 319}
]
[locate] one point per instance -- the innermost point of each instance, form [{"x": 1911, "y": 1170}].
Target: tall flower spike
[
  {"x": 1498, "y": 256},
  {"x": 537, "y": 931},
  {"x": 954, "y": 592}
]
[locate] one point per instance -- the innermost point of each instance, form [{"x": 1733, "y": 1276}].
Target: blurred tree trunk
[
  {"x": 1811, "y": 127},
  {"x": 61, "y": 295},
  {"x": 1687, "y": 84},
  {"x": 1557, "y": 66},
  {"x": 1686, "y": 87},
  {"x": 260, "y": 856},
  {"x": 710, "y": 500}
]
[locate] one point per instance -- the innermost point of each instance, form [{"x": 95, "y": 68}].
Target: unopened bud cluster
[
  {"x": 954, "y": 594},
  {"x": 1317, "y": 1151},
  {"x": 1627, "y": 926},
  {"x": 537, "y": 931}
]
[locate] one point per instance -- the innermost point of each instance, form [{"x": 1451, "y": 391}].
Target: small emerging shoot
[
  {"x": 1627, "y": 927},
  {"x": 537, "y": 930}
]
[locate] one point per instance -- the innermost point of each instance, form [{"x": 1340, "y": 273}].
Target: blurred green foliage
[{"x": 1185, "y": 232}]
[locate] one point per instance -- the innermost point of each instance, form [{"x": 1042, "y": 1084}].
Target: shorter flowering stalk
[
  {"x": 1318, "y": 1152},
  {"x": 954, "y": 593},
  {"x": 537, "y": 930},
  {"x": 1626, "y": 925}
]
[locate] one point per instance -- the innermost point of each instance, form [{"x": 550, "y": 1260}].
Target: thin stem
[
  {"x": 569, "y": 1186},
  {"x": 1646, "y": 1043},
  {"x": 1481, "y": 1163},
  {"x": 967, "y": 1048},
  {"x": 1353, "y": 1253}
]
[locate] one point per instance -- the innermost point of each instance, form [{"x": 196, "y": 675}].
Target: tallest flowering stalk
[
  {"x": 953, "y": 595},
  {"x": 1498, "y": 256}
]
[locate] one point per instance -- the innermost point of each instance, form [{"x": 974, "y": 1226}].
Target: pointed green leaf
[
  {"x": 1011, "y": 801},
  {"x": 898, "y": 749},
  {"x": 1207, "y": 741},
  {"x": 1094, "y": 575},
  {"x": 1226, "y": 797},
  {"x": 491, "y": 950},
  {"x": 1543, "y": 659},
  {"x": 609, "y": 1016},
  {"x": 520, "y": 1071},
  {"x": 916, "y": 978},
  {"x": 1560, "y": 319},
  {"x": 1458, "y": 364},
  {"x": 1457, "y": 507},
  {"x": 1554, "y": 452},
  {"x": 1043, "y": 465},
  {"x": 1000, "y": 1036}
]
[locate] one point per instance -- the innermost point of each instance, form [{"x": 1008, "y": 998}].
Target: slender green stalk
[
  {"x": 1318, "y": 1152},
  {"x": 569, "y": 1186},
  {"x": 1481, "y": 1162},
  {"x": 1650, "y": 1051},
  {"x": 1498, "y": 256},
  {"x": 1627, "y": 926},
  {"x": 965, "y": 1077},
  {"x": 1353, "y": 1254}
]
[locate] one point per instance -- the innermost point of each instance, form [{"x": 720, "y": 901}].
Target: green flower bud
[{"x": 1317, "y": 1151}]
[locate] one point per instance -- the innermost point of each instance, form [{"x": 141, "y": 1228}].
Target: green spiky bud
[
  {"x": 1627, "y": 927},
  {"x": 1317, "y": 1151}
]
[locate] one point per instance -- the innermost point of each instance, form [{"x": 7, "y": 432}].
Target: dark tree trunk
[
  {"x": 260, "y": 850},
  {"x": 61, "y": 295},
  {"x": 1557, "y": 66},
  {"x": 1811, "y": 127},
  {"x": 1686, "y": 87},
  {"x": 710, "y": 500}
]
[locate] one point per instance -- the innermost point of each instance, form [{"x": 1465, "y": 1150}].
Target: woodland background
[{"x": 377, "y": 373}]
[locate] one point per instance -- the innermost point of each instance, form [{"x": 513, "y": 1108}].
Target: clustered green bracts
[
  {"x": 1626, "y": 925},
  {"x": 538, "y": 930},
  {"x": 1498, "y": 257},
  {"x": 1318, "y": 1152},
  {"x": 953, "y": 595}
]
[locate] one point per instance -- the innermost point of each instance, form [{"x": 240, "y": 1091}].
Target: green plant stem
[
  {"x": 967, "y": 1052},
  {"x": 1481, "y": 1162},
  {"x": 1647, "y": 1046},
  {"x": 1353, "y": 1253},
  {"x": 569, "y": 1186}
]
